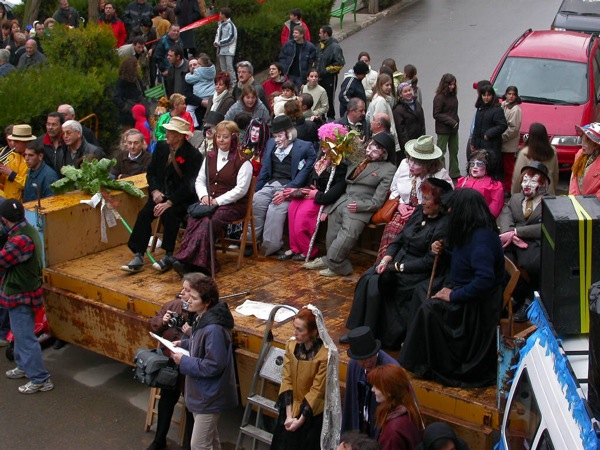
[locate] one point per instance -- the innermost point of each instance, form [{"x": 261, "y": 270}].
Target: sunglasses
[{"x": 476, "y": 164}]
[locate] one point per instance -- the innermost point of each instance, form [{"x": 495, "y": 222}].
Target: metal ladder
[{"x": 269, "y": 367}]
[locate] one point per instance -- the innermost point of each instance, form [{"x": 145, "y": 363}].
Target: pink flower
[{"x": 332, "y": 131}]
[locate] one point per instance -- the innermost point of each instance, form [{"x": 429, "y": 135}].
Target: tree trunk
[
  {"x": 32, "y": 9},
  {"x": 93, "y": 14},
  {"x": 373, "y": 6},
  {"x": 202, "y": 5}
]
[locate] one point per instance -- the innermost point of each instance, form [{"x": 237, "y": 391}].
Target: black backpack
[{"x": 154, "y": 369}]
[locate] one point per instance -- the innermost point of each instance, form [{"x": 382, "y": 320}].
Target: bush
[
  {"x": 259, "y": 33},
  {"x": 81, "y": 65}
]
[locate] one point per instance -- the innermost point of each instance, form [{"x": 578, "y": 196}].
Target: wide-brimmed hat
[
  {"x": 363, "y": 344},
  {"x": 213, "y": 117},
  {"x": 22, "y": 133},
  {"x": 178, "y": 125},
  {"x": 591, "y": 130},
  {"x": 423, "y": 148},
  {"x": 12, "y": 210},
  {"x": 281, "y": 123},
  {"x": 386, "y": 141},
  {"x": 538, "y": 167}
]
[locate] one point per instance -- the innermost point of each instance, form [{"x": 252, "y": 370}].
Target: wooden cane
[{"x": 435, "y": 263}]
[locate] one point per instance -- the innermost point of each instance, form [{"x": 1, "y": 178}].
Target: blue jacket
[
  {"x": 210, "y": 370},
  {"x": 44, "y": 176},
  {"x": 303, "y": 159},
  {"x": 308, "y": 56}
]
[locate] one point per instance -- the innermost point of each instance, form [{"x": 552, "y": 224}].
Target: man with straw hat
[
  {"x": 13, "y": 169},
  {"x": 171, "y": 177}
]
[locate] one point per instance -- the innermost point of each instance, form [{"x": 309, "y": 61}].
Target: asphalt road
[{"x": 96, "y": 404}]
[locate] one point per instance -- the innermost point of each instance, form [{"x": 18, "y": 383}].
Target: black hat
[
  {"x": 363, "y": 344},
  {"x": 361, "y": 68},
  {"x": 386, "y": 140},
  {"x": 213, "y": 117},
  {"x": 281, "y": 123},
  {"x": 12, "y": 210},
  {"x": 442, "y": 184},
  {"x": 538, "y": 167}
]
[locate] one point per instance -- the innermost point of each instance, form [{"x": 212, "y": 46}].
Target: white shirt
[
  {"x": 244, "y": 179},
  {"x": 402, "y": 182}
]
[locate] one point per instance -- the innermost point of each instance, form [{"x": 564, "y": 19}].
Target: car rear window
[
  {"x": 541, "y": 80},
  {"x": 589, "y": 7}
]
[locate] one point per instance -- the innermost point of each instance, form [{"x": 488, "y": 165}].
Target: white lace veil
[{"x": 332, "y": 415}]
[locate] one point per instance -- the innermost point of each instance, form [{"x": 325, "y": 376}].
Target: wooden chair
[
  {"x": 246, "y": 221},
  {"x": 177, "y": 419},
  {"x": 514, "y": 274},
  {"x": 157, "y": 233}
]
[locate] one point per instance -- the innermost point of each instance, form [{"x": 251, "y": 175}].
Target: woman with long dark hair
[
  {"x": 255, "y": 142},
  {"x": 128, "y": 90},
  {"x": 488, "y": 127},
  {"x": 398, "y": 414},
  {"x": 510, "y": 138},
  {"x": 452, "y": 336},
  {"x": 229, "y": 178},
  {"x": 445, "y": 113},
  {"x": 538, "y": 148}
]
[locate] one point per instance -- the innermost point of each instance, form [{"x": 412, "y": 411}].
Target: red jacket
[
  {"x": 285, "y": 33},
  {"x": 118, "y": 29}
]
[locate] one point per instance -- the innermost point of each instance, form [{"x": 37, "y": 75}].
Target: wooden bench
[{"x": 346, "y": 7}]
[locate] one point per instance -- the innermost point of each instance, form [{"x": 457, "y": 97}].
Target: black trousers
[
  {"x": 329, "y": 83},
  {"x": 166, "y": 407},
  {"x": 142, "y": 230}
]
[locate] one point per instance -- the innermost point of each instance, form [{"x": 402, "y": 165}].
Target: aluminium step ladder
[{"x": 269, "y": 367}]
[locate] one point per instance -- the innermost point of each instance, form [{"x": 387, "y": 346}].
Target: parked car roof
[
  {"x": 567, "y": 46},
  {"x": 578, "y": 15}
]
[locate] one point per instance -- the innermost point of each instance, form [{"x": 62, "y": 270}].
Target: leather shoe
[
  {"x": 181, "y": 268},
  {"x": 157, "y": 446},
  {"x": 58, "y": 344},
  {"x": 344, "y": 339},
  {"x": 285, "y": 256},
  {"x": 521, "y": 315}
]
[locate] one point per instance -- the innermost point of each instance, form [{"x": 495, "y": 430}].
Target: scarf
[
  {"x": 217, "y": 99},
  {"x": 410, "y": 104},
  {"x": 581, "y": 164}
]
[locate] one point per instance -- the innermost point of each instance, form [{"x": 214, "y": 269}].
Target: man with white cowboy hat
[
  {"x": 286, "y": 165},
  {"x": 366, "y": 190},
  {"x": 13, "y": 171},
  {"x": 171, "y": 177}
]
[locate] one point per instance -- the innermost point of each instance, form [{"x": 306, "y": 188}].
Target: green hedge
[
  {"x": 81, "y": 65},
  {"x": 259, "y": 33}
]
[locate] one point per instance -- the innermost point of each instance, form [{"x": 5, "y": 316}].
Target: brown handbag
[{"x": 386, "y": 212}]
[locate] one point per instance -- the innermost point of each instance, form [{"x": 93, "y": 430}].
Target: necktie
[
  {"x": 412, "y": 199},
  {"x": 359, "y": 169},
  {"x": 528, "y": 208}
]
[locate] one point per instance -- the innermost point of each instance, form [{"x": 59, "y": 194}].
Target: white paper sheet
[
  {"x": 262, "y": 310},
  {"x": 170, "y": 345}
]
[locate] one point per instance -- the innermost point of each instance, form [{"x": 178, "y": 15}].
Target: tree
[{"x": 32, "y": 9}]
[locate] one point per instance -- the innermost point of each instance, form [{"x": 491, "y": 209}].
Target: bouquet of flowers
[{"x": 338, "y": 143}]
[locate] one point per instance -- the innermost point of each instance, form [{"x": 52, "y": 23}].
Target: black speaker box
[{"x": 570, "y": 260}]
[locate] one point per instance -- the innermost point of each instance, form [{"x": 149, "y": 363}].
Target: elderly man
[
  {"x": 31, "y": 57},
  {"x": 77, "y": 148},
  {"x": 133, "y": 159},
  {"x": 168, "y": 41},
  {"x": 245, "y": 73},
  {"x": 68, "y": 113},
  {"x": 226, "y": 42},
  {"x": 109, "y": 18},
  {"x": 366, "y": 190},
  {"x": 21, "y": 263},
  {"x": 171, "y": 177},
  {"x": 5, "y": 66},
  {"x": 287, "y": 163},
  {"x": 13, "y": 172},
  {"x": 359, "y": 403},
  {"x": 354, "y": 119},
  {"x": 39, "y": 176},
  {"x": 66, "y": 15},
  {"x": 297, "y": 56},
  {"x": 134, "y": 13}
]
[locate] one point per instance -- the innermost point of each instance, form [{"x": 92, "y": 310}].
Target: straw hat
[
  {"x": 22, "y": 133},
  {"x": 178, "y": 125},
  {"x": 423, "y": 148}
]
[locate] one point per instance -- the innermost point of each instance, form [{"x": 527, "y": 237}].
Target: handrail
[{"x": 93, "y": 120}]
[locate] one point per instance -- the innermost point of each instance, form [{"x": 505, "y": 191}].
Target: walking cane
[{"x": 433, "y": 270}]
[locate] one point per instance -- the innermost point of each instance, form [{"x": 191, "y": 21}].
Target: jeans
[
  {"x": 28, "y": 352},
  {"x": 4, "y": 323}
]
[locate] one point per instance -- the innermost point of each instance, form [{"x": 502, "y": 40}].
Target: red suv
[{"x": 558, "y": 77}]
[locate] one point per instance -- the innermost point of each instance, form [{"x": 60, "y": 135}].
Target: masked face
[
  {"x": 415, "y": 167},
  {"x": 254, "y": 135},
  {"x": 477, "y": 169},
  {"x": 531, "y": 185},
  {"x": 281, "y": 139},
  {"x": 374, "y": 151}
]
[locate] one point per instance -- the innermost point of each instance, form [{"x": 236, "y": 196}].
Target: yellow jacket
[
  {"x": 306, "y": 379},
  {"x": 15, "y": 183}
]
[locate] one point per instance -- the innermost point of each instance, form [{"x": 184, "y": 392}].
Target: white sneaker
[
  {"x": 328, "y": 273},
  {"x": 15, "y": 373},
  {"x": 32, "y": 388},
  {"x": 315, "y": 264}
]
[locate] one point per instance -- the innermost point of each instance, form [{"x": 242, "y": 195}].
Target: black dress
[{"x": 383, "y": 302}]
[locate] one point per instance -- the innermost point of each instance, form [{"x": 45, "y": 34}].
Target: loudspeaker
[{"x": 570, "y": 260}]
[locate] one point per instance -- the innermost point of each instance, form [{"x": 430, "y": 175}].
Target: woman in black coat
[
  {"x": 128, "y": 90},
  {"x": 383, "y": 294},
  {"x": 488, "y": 126},
  {"x": 408, "y": 115}
]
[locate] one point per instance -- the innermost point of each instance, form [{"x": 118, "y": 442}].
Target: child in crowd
[
  {"x": 201, "y": 76},
  {"x": 288, "y": 93}
]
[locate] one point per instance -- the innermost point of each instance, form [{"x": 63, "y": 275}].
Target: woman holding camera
[{"x": 210, "y": 386}]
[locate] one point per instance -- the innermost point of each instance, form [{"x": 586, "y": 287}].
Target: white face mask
[
  {"x": 281, "y": 139},
  {"x": 477, "y": 169},
  {"x": 530, "y": 186}
]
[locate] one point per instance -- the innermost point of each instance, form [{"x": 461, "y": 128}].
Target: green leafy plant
[{"x": 93, "y": 177}]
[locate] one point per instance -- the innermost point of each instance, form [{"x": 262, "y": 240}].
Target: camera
[{"x": 176, "y": 320}]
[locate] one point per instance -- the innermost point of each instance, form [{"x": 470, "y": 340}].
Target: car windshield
[
  {"x": 548, "y": 81},
  {"x": 589, "y": 7}
]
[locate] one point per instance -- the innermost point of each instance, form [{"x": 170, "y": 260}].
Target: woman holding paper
[{"x": 210, "y": 372}]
